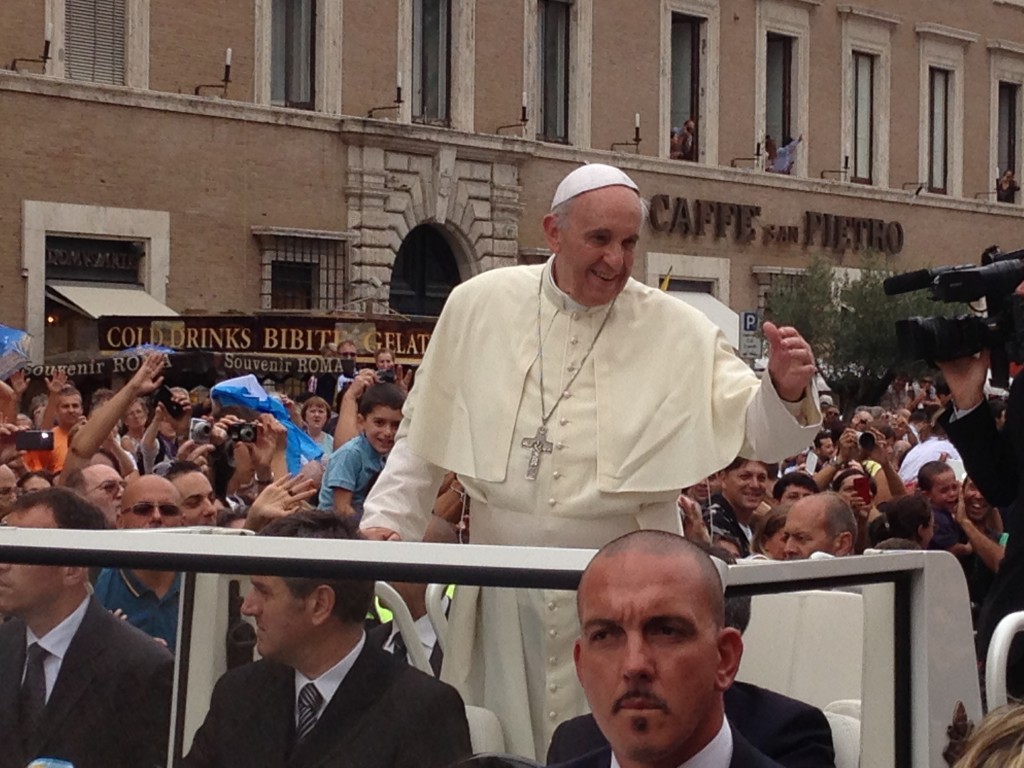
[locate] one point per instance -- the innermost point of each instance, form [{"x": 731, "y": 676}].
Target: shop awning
[
  {"x": 98, "y": 301},
  {"x": 720, "y": 314}
]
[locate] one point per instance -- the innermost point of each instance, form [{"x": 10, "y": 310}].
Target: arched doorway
[{"x": 424, "y": 273}]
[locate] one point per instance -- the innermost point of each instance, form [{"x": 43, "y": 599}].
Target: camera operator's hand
[
  {"x": 882, "y": 451},
  {"x": 197, "y": 453},
  {"x": 219, "y": 433},
  {"x": 966, "y": 377},
  {"x": 365, "y": 379},
  {"x": 790, "y": 361},
  {"x": 849, "y": 447}
]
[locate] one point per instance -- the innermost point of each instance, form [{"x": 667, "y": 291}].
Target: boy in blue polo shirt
[{"x": 352, "y": 468}]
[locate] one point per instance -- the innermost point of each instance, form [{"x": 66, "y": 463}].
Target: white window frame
[
  {"x": 867, "y": 32},
  {"x": 707, "y": 128},
  {"x": 943, "y": 47},
  {"x": 327, "y": 82},
  {"x": 581, "y": 47},
  {"x": 1006, "y": 64},
  {"x": 40, "y": 219},
  {"x": 136, "y": 41},
  {"x": 462, "y": 77},
  {"x": 792, "y": 19}
]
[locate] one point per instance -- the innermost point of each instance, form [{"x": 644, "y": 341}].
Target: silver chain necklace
[{"x": 539, "y": 444}]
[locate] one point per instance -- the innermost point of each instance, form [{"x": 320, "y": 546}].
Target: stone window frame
[
  {"x": 136, "y": 41},
  {"x": 42, "y": 218},
  {"x": 792, "y": 19},
  {"x": 714, "y": 269},
  {"x": 870, "y": 32},
  {"x": 1006, "y": 64},
  {"x": 710, "y": 11},
  {"x": 268, "y": 238},
  {"x": 462, "y": 72},
  {"x": 327, "y": 80},
  {"x": 581, "y": 47},
  {"x": 943, "y": 47}
]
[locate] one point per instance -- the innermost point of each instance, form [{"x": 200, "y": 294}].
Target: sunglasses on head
[{"x": 145, "y": 508}]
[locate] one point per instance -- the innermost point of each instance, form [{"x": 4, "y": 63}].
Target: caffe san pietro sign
[{"x": 742, "y": 223}]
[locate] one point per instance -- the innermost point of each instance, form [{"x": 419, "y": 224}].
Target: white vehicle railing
[{"x": 918, "y": 659}]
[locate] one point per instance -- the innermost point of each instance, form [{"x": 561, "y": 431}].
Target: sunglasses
[{"x": 145, "y": 508}]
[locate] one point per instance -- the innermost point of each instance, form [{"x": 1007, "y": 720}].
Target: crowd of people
[{"x": 547, "y": 459}]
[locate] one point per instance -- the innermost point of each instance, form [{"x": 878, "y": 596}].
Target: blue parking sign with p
[{"x": 749, "y": 321}]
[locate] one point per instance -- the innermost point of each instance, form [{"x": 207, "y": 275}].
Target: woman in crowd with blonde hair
[{"x": 997, "y": 742}]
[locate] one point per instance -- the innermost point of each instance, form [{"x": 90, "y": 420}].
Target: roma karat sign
[
  {"x": 742, "y": 223},
  {"x": 267, "y": 334}
]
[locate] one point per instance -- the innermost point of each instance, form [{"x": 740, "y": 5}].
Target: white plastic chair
[
  {"x": 997, "y": 656},
  {"x": 406, "y": 625}
]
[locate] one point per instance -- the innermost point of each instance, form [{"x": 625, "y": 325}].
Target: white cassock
[{"x": 660, "y": 403}]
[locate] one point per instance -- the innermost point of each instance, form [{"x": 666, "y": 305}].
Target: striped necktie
[{"x": 310, "y": 702}]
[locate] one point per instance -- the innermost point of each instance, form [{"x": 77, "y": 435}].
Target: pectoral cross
[{"x": 537, "y": 444}]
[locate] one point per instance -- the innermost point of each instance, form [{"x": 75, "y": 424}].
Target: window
[
  {"x": 431, "y": 56},
  {"x": 553, "y": 19},
  {"x": 302, "y": 272},
  {"x": 1006, "y": 150},
  {"x": 686, "y": 87},
  {"x": 424, "y": 273},
  {"x": 95, "y": 44},
  {"x": 938, "y": 128},
  {"x": 293, "y": 52},
  {"x": 863, "y": 117},
  {"x": 779, "y": 89}
]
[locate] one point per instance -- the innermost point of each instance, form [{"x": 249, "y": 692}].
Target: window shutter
[{"x": 94, "y": 48}]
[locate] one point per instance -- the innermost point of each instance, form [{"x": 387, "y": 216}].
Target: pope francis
[{"x": 573, "y": 402}]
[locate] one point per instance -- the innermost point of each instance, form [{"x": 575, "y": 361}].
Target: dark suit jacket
[
  {"x": 995, "y": 462},
  {"x": 377, "y": 636},
  {"x": 743, "y": 756},
  {"x": 110, "y": 705},
  {"x": 794, "y": 734},
  {"x": 385, "y": 715}
]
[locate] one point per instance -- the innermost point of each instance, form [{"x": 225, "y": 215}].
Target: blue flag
[
  {"x": 247, "y": 392},
  {"x": 14, "y": 350}
]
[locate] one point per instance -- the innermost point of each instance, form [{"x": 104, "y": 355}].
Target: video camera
[{"x": 1000, "y": 330}]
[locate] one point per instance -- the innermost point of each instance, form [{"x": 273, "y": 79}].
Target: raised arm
[{"x": 104, "y": 419}]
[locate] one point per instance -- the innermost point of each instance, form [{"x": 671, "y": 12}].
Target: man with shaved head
[
  {"x": 654, "y": 657},
  {"x": 148, "y": 599}
]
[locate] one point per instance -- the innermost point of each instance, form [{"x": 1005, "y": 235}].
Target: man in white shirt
[
  {"x": 654, "y": 657},
  {"x": 75, "y": 683},
  {"x": 321, "y": 695}
]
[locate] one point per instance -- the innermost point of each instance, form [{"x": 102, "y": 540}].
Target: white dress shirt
[
  {"x": 717, "y": 754},
  {"x": 425, "y": 632},
  {"x": 55, "y": 643},
  {"x": 329, "y": 682}
]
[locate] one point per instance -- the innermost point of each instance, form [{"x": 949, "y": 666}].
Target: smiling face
[
  {"x": 651, "y": 656},
  {"x": 380, "y": 426},
  {"x": 594, "y": 243},
  {"x": 975, "y": 505},
  {"x": 744, "y": 487}
]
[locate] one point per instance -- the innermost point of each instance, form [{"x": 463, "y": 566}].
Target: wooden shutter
[{"x": 94, "y": 47}]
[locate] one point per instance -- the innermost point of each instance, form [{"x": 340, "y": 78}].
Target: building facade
[{"x": 314, "y": 156}]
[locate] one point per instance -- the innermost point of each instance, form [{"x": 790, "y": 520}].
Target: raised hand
[{"x": 790, "y": 361}]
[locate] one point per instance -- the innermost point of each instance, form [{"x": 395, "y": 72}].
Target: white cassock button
[
  {"x": 560, "y": 446},
  {"x": 574, "y": 340},
  {"x": 556, "y": 475},
  {"x": 553, "y": 687},
  {"x": 563, "y": 421},
  {"x": 552, "y": 633},
  {"x": 552, "y": 715},
  {"x": 552, "y": 606},
  {"x": 552, "y": 661},
  {"x": 552, "y": 502},
  {"x": 575, "y": 315},
  {"x": 567, "y": 394}
]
